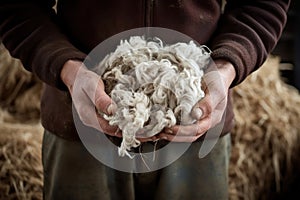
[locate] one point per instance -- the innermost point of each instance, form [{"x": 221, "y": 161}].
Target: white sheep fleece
[{"x": 153, "y": 85}]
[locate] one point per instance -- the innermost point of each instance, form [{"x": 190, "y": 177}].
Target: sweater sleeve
[
  {"x": 247, "y": 33},
  {"x": 29, "y": 30}
]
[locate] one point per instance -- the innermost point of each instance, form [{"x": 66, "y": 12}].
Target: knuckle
[
  {"x": 206, "y": 107},
  {"x": 202, "y": 128}
]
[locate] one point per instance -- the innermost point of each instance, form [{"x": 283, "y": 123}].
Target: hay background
[
  {"x": 20, "y": 159},
  {"x": 265, "y": 138},
  {"x": 266, "y": 135},
  {"x": 21, "y": 174}
]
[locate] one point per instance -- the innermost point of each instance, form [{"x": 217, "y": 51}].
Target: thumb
[
  {"x": 103, "y": 103},
  {"x": 202, "y": 109}
]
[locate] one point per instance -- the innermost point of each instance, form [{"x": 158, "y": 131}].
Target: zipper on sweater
[{"x": 148, "y": 20}]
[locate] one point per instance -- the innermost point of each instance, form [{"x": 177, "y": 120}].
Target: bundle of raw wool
[{"x": 154, "y": 85}]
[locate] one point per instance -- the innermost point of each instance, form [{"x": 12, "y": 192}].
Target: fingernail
[
  {"x": 111, "y": 109},
  {"x": 197, "y": 113},
  {"x": 164, "y": 138}
]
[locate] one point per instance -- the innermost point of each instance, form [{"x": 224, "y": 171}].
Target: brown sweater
[{"x": 43, "y": 40}]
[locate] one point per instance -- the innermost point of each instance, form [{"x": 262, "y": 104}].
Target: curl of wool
[{"x": 153, "y": 85}]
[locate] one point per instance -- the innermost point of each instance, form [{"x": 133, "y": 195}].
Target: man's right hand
[{"x": 88, "y": 95}]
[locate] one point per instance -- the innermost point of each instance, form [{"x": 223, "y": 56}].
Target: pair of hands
[{"x": 88, "y": 95}]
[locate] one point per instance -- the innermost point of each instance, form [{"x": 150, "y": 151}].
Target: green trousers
[{"x": 71, "y": 173}]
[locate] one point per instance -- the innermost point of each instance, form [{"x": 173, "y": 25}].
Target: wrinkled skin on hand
[
  {"x": 89, "y": 98},
  {"x": 208, "y": 111}
]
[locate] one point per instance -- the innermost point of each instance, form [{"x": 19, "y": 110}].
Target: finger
[
  {"x": 208, "y": 109},
  {"x": 142, "y": 136},
  {"x": 149, "y": 139},
  {"x": 86, "y": 112},
  {"x": 203, "y": 108},
  {"x": 176, "y": 138},
  {"x": 93, "y": 86},
  {"x": 217, "y": 98},
  {"x": 89, "y": 118},
  {"x": 197, "y": 113},
  {"x": 103, "y": 102},
  {"x": 196, "y": 129},
  {"x": 103, "y": 126}
]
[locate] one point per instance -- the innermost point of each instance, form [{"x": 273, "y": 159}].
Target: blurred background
[
  {"x": 288, "y": 47},
  {"x": 266, "y": 139}
]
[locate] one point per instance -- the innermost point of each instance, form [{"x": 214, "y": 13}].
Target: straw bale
[
  {"x": 266, "y": 134},
  {"x": 20, "y": 131},
  {"x": 21, "y": 170},
  {"x": 20, "y": 89}
]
